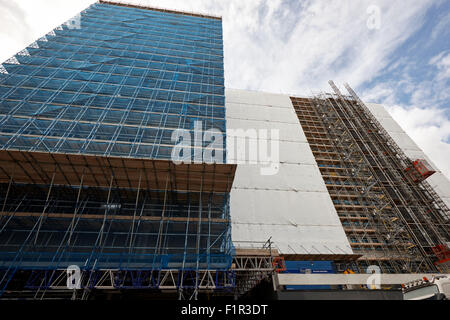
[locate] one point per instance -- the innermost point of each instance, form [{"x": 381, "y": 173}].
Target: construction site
[
  {"x": 391, "y": 215},
  {"x": 93, "y": 207}
]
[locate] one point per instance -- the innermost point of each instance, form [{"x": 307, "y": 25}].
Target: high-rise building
[
  {"x": 87, "y": 117},
  {"x": 392, "y": 217},
  {"x": 350, "y": 187},
  {"x": 123, "y": 167}
]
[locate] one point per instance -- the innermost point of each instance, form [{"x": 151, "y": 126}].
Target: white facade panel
[
  {"x": 391, "y": 125},
  {"x": 404, "y": 141},
  {"x": 261, "y": 113},
  {"x": 287, "y": 131},
  {"x": 290, "y": 177},
  {"x": 255, "y": 98},
  {"x": 293, "y": 206},
  {"x": 441, "y": 185},
  {"x": 289, "y": 152},
  {"x": 378, "y": 111},
  {"x": 281, "y": 207},
  {"x": 293, "y": 240}
]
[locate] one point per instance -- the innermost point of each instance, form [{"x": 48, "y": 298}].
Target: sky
[{"x": 393, "y": 52}]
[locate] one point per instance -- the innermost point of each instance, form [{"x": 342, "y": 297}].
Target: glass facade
[{"x": 118, "y": 84}]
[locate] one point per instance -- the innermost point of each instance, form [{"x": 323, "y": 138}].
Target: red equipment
[
  {"x": 442, "y": 252},
  {"x": 279, "y": 265},
  {"x": 420, "y": 170}
]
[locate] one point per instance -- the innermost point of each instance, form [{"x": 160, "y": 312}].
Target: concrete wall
[
  {"x": 438, "y": 181},
  {"x": 292, "y": 206}
]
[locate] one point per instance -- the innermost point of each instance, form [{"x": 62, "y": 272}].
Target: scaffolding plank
[
  {"x": 37, "y": 167},
  {"x": 113, "y": 217}
]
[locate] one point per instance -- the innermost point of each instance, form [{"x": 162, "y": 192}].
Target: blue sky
[{"x": 292, "y": 46}]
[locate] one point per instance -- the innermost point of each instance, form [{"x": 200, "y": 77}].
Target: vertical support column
[
  {"x": 185, "y": 247},
  {"x": 98, "y": 244},
  {"x": 199, "y": 238},
  {"x": 135, "y": 211},
  {"x": 208, "y": 246},
  {"x": 161, "y": 224},
  {"x": 42, "y": 217},
  {"x": 106, "y": 211},
  {"x": 72, "y": 223},
  {"x": 11, "y": 179}
]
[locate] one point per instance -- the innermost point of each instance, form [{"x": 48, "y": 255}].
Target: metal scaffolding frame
[
  {"x": 184, "y": 227},
  {"x": 117, "y": 86},
  {"x": 86, "y": 122},
  {"x": 126, "y": 223},
  {"x": 387, "y": 217}
]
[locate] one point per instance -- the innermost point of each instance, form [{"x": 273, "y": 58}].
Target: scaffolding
[
  {"x": 131, "y": 223},
  {"x": 117, "y": 86},
  {"x": 87, "y": 115},
  {"x": 112, "y": 216},
  {"x": 390, "y": 220}
]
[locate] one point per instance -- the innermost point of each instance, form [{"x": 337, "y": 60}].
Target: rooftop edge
[{"x": 129, "y": 5}]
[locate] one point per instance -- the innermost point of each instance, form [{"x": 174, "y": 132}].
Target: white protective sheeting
[
  {"x": 292, "y": 206},
  {"x": 290, "y": 177},
  {"x": 290, "y": 130},
  {"x": 258, "y": 99},
  {"x": 438, "y": 181},
  {"x": 290, "y": 152}
]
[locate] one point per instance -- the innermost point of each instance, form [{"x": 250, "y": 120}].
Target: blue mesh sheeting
[
  {"x": 119, "y": 85},
  {"x": 188, "y": 235}
]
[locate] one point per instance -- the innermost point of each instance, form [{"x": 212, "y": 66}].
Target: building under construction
[
  {"x": 392, "y": 217},
  {"x": 89, "y": 191}
]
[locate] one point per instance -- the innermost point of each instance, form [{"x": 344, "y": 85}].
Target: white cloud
[
  {"x": 442, "y": 63},
  {"x": 25, "y": 21},
  {"x": 272, "y": 45}
]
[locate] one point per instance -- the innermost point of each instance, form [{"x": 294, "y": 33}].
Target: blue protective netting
[{"x": 118, "y": 86}]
